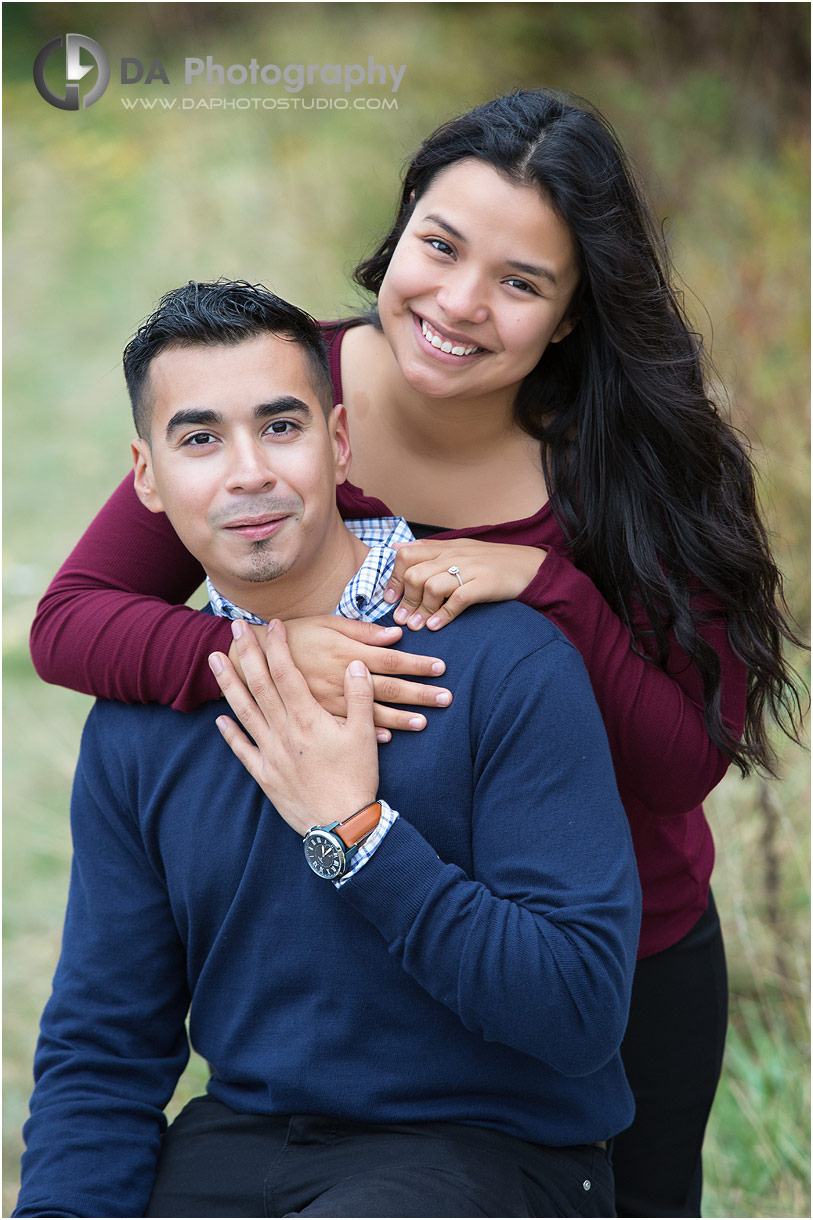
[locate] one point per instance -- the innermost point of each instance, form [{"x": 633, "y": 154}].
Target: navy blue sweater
[{"x": 476, "y": 970}]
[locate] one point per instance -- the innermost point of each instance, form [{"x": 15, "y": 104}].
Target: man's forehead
[{"x": 264, "y": 356}]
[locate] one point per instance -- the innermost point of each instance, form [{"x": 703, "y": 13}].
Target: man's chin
[
  {"x": 261, "y": 574},
  {"x": 258, "y": 570}
]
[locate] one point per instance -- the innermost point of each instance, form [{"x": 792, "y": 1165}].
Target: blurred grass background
[{"x": 106, "y": 208}]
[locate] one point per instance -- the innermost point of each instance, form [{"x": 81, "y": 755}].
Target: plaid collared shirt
[{"x": 362, "y": 599}]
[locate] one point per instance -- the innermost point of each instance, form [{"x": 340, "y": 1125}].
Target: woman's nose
[{"x": 463, "y": 297}]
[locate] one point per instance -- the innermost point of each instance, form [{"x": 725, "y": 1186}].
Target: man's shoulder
[
  {"x": 510, "y": 629},
  {"x": 133, "y": 728}
]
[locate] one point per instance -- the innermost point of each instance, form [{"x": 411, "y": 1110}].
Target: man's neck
[{"x": 314, "y": 590}]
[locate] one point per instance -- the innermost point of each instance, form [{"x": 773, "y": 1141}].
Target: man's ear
[
  {"x": 340, "y": 442},
  {"x": 144, "y": 480}
]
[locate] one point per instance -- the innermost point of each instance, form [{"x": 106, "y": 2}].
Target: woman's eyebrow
[
  {"x": 533, "y": 269},
  {"x": 444, "y": 224}
]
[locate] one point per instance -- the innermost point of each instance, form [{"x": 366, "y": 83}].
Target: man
[{"x": 426, "y": 1020}]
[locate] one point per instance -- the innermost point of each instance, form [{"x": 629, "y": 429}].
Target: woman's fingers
[
  {"x": 425, "y": 592},
  {"x": 460, "y": 600},
  {"x": 439, "y": 581},
  {"x": 409, "y": 553},
  {"x": 415, "y": 694},
  {"x": 385, "y": 662},
  {"x": 372, "y": 634}
]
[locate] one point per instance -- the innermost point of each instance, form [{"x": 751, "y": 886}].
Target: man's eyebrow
[
  {"x": 282, "y": 406},
  {"x": 525, "y": 268},
  {"x": 205, "y": 417},
  {"x": 194, "y": 417}
]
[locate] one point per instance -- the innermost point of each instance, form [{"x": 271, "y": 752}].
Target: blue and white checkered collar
[{"x": 364, "y": 596}]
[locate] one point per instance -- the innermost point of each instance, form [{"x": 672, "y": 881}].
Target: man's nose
[{"x": 250, "y": 467}]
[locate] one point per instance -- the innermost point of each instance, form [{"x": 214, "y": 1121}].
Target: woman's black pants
[{"x": 673, "y": 1053}]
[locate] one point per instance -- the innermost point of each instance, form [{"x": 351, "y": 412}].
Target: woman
[{"x": 529, "y": 366}]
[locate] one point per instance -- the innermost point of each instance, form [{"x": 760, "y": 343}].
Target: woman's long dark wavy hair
[{"x": 654, "y": 490}]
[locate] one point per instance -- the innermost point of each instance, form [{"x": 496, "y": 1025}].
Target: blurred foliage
[{"x": 107, "y": 208}]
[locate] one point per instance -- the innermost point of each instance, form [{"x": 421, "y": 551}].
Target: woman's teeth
[{"x": 446, "y": 345}]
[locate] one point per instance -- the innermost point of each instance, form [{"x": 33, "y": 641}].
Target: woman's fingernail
[
  {"x": 392, "y": 630},
  {"x": 438, "y": 667},
  {"x": 401, "y": 615},
  {"x": 272, "y": 624},
  {"x": 433, "y": 622},
  {"x": 236, "y": 628},
  {"x": 390, "y": 595},
  {"x": 215, "y": 663},
  {"x": 417, "y": 722},
  {"x": 443, "y": 698},
  {"x": 414, "y": 621},
  {"x": 382, "y": 737},
  {"x": 358, "y": 669}
]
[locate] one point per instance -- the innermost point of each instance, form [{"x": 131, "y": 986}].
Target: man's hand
[
  {"x": 324, "y": 646},
  {"x": 314, "y": 767}
]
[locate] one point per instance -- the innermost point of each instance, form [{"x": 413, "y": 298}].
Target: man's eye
[
  {"x": 199, "y": 438},
  {"x": 282, "y": 427}
]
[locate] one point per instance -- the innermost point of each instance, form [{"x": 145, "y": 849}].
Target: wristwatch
[{"x": 330, "y": 849}]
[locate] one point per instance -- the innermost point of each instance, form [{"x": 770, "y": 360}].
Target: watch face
[{"x": 325, "y": 854}]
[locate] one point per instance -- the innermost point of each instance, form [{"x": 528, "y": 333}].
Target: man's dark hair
[{"x": 208, "y": 314}]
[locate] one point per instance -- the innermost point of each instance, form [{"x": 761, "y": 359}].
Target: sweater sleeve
[
  {"x": 537, "y": 948},
  {"x": 112, "y": 622},
  {"x": 663, "y": 755},
  {"x": 112, "y": 1043}
]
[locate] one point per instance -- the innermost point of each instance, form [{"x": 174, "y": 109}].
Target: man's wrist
[
  {"x": 370, "y": 845},
  {"x": 336, "y": 850},
  {"x": 360, "y": 824}
]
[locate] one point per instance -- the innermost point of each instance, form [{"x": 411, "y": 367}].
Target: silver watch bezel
[{"x": 338, "y": 845}]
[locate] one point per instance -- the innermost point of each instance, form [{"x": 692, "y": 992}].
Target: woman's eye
[
  {"x": 443, "y": 247},
  {"x": 523, "y": 285}
]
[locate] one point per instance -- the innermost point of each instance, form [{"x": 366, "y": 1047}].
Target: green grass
[
  {"x": 756, "y": 1155},
  {"x": 104, "y": 211}
]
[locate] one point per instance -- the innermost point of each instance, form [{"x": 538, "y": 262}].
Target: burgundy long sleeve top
[{"x": 113, "y": 624}]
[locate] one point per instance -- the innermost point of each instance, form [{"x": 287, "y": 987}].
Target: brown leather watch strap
[{"x": 359, "y": 824}]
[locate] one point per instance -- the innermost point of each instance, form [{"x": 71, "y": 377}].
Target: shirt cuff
[{"x": 387, "y": 819}]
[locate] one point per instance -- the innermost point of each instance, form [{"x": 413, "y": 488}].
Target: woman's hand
[
  {"x": 431, "y": 595},
  {"x": 322, "y": 648},
  {"x": 314, "y": 768}
]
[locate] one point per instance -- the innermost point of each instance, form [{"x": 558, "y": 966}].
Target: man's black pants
[{"x": 215, "y": 1162}]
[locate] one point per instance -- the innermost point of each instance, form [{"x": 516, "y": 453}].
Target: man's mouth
[
  {"x": 452, "y": 345},
  {"x": 254, "y": 529}
]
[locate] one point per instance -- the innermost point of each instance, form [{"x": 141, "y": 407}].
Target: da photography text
[{"x": 61, "y": 64}]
